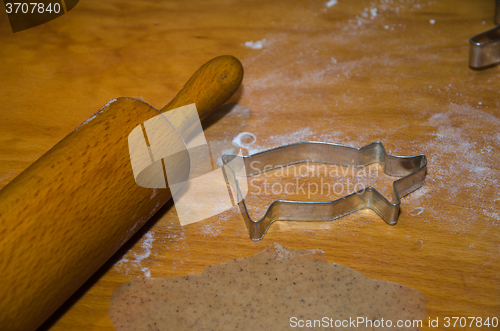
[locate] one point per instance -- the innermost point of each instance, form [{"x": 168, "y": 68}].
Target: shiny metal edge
[{"x": 411, "y": 169}]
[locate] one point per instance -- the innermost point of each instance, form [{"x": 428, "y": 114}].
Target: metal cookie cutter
[
  {"x": 485, "y": 47},
  {"x": 411, "y": 169}
]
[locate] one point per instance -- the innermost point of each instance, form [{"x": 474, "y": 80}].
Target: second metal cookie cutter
[
  {"x": 485, "y": 47},
  {"x": 411, "y": 169}
]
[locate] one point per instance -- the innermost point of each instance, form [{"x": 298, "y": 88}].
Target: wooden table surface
[{"x": 350, "y": 72}]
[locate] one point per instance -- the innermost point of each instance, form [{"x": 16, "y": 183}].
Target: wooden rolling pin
[{"x": 70, "y": 211}]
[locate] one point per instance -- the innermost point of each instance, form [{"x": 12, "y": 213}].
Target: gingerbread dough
[{"x": 276, "y": 289}]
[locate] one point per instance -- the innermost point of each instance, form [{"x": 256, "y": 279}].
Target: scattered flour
[
  {"x": 154, "y": 193},
  {"x": 457, "y": 152},
  {"x": 273, "y": 141},
  {"x": 211, "y": 230},
  {"x": 137, "y": 258},
  {"x": 147, "y": 272},
  {"x": 494, "y": 215},
  {"x": 255, "y": 44},
  {"x": 147, "y": 244},
  {"x": 237, "y": 140},
  {"x": 417, "y": 211},
  {"x": 240, "y": 111},
  {"x": 246, "y": 143},
  {"x": 331, "y": 3},
  {"x": 449, "y": 133},
  {"x": 303, "y": 134},
  {"x": 104, "y": 108}
]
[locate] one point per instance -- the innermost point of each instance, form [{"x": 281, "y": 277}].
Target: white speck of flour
[
  {"x": 417, "y": 211},
  {"x": 331, "y": 3},
  {"x": 147, "y": 245},
  {"x": 246, "y": 143},
  {"x": 432, "y": 21},
  {"x": 295, "y": 137},
  {"x": 255, "y": 44},
  {"x": 146, "y": 271}
]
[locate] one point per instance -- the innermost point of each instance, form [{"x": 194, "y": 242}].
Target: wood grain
[{"x": 323, "y": 73}]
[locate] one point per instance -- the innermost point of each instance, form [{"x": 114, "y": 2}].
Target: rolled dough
[{"x": 276, "y": 289}]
